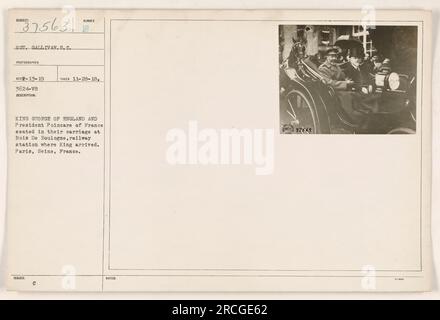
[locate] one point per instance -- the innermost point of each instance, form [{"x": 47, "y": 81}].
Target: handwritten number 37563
[{"x": 48, "y": 26}]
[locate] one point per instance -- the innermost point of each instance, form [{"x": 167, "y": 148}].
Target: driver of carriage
[{"x": 332, "y": 73}]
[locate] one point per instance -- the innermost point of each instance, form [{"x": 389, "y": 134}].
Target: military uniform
[{"x": 333, "y": 75}]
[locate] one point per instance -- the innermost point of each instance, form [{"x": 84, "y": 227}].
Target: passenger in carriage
[
  {"x": 355, "y": 70},
  {"x": 349, "y": 83},
  {"x": 333, "y": 74}
]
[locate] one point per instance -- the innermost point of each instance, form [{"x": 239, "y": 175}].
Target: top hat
[{"x": 356, "y": 52}]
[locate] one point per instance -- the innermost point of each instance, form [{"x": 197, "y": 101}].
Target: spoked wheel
[{"x": 298, "y": 114}]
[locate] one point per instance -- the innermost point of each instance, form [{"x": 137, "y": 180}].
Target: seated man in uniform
[{"x": 333, "y": 74}]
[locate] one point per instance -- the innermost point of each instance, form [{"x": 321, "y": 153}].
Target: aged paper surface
[{"x": 219, "y": 150}]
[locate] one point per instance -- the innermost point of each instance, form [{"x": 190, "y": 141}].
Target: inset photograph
[{"x": 341, "y": 79}]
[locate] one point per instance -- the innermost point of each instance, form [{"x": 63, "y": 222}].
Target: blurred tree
[{"x": 399, "y": 43}]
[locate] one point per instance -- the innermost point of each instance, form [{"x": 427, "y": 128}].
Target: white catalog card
[{"x": 219, "y": 150}]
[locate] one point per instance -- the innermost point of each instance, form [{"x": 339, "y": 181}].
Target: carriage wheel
[{"x": 297, "y": 114}]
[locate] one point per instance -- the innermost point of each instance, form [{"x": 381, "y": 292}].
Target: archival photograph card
[{"x": 219, "y": 150}]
